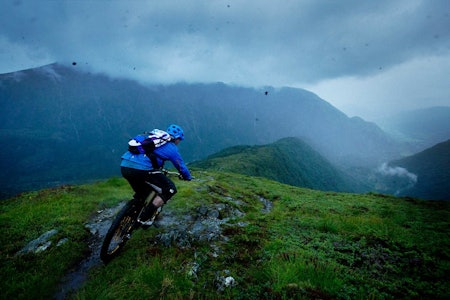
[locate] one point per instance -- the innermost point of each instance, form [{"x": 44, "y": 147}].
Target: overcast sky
[{"x": 367, "y": 58}]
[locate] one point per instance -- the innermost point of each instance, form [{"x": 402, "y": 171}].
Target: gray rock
[{"x": 40, "y": 244}]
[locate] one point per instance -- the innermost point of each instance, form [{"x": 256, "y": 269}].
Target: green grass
[
  {"x": 310, "y": 245},
  {"x": 27, "y": 216}
]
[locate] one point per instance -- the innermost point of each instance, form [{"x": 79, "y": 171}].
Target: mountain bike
[{"x": 126, "y": 221}]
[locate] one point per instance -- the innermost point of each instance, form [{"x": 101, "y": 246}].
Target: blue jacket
[{"x": 168, "y": 151}]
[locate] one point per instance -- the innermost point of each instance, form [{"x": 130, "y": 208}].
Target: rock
[
  {"x": 62, "y": 241},
  {"x": 40, "y": 244},
  {"x": 229, "y": 281},
  {"x": 267, "y": 205},
  {"x": 204, "y": 225},
  {"x": 43, "y": 247},
  {"x": 100, "y": 223},
  {"x": 223, "y": 280}
]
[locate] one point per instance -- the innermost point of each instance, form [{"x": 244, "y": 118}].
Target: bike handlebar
[
  {"x": 178, "y": 174},
  {"x": 165, "y": 172}
]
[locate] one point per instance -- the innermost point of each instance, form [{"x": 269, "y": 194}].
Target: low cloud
[{"x": 397, "y": 179}]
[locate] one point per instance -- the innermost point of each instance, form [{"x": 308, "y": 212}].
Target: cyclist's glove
[{"x": 183, "y": 178}]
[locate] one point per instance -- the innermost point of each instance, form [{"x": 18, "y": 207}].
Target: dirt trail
[{"x": 98, "y": 227}]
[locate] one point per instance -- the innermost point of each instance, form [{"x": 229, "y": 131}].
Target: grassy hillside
[
  {"x": 268, "y": 240},
  {"x": 289, "y": 160}
]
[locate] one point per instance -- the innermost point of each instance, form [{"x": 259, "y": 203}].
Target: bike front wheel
[{"x": 120, "y": 231}]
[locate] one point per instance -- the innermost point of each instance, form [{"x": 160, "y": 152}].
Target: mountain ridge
[
  {"x": 75, "y": 124},
  {"x": 291, "y": 161},
  {"x": 432, "y": 168},
  {"x": 288, "y": 160}
]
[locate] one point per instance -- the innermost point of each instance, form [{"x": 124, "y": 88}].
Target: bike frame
[{"x": 126, "y": 221}]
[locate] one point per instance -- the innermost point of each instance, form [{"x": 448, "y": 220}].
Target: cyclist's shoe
[
  {"x": 146, "y": 221},
  {"x": 146, "y": 224},
  {"x": 150, "y": 221}
]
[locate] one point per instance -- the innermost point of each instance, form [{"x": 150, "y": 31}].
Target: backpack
[{"x": 147, "y": 142}]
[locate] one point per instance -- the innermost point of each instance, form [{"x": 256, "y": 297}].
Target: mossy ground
[{"x": 309, "y": 245}]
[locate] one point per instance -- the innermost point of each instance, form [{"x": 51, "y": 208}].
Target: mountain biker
[{"x": 138, "y": 168}]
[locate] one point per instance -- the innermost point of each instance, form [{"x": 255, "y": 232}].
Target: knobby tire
[{"x": 120, "y": 231}]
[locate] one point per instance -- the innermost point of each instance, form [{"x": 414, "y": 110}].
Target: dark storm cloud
[
  {"x": 306, "y": 40},
  {"x": 244, "y": 42}
]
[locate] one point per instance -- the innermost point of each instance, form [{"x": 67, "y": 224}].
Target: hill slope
[
  {"x": 289, "y": 160},
  {"x": 432, "y": 167},
  {"x": 231, "y": 236}
]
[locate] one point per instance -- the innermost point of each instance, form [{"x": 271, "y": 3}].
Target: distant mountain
[
  {"x": 432, "y": 168},
  {"x": 60, "y": 125},
  {"x": 289, "y": 160},
  {"x": 424, "y": 175},
  {"x": 423, "y": 128}
]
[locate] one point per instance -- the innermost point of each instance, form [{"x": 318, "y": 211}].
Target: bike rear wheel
[{"x": 120, "y": 231}]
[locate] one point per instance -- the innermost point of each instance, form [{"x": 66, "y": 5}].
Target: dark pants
[{"x": 137, "y": 179}]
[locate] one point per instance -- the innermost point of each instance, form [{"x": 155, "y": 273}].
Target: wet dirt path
[{"x": 98, "y": 227}]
